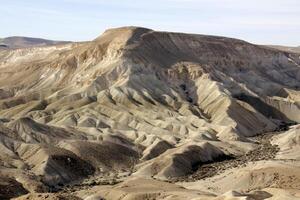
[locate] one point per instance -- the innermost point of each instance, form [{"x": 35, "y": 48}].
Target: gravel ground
[{"x": 264, "y": 151}]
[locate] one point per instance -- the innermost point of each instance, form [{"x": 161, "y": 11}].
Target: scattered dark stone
[
  {"x": 183, "y": 86},
  {"x": 264, "y": 151}
]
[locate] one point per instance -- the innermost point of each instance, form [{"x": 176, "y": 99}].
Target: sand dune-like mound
[
  {"x": 34, "y": 132},
  {"x": 155, "y": 149},
  {"x": 104, "y": 156},
  {"x": 289, "y": 144},
  {"x": 179, "y": 161}
]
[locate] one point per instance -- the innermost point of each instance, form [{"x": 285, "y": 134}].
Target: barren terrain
[{"x": 139, "y": 114}]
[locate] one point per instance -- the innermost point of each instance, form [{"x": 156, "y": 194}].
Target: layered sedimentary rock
[{"x": 139, "y": 103}]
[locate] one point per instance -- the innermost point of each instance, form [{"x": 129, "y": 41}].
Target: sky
[{"x": 256, "y": 21}]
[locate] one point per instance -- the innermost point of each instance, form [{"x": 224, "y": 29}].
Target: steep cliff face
[{"x": 154, "y": 96}]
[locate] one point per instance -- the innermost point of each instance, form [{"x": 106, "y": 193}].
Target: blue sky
[{"x": 257, "y": 21}]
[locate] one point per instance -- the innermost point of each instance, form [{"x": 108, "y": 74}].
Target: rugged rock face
[{"x": 141, "y": 103}]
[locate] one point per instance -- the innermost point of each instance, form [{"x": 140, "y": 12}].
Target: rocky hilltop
[{"x": 144, "y": 111}]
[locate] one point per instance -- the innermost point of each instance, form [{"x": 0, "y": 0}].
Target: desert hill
[
  {"x": 26, "y": 42},
  {"x": 135, "y": 108},
  {"x": 286, "y": 48}
]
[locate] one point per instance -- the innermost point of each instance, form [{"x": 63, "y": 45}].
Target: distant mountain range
[
  {"x": 286, "y": 48},
  {"x": 25, "y": 42}
]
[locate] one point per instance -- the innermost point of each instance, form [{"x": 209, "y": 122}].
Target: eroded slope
[{"x": 139, "y": 103}]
